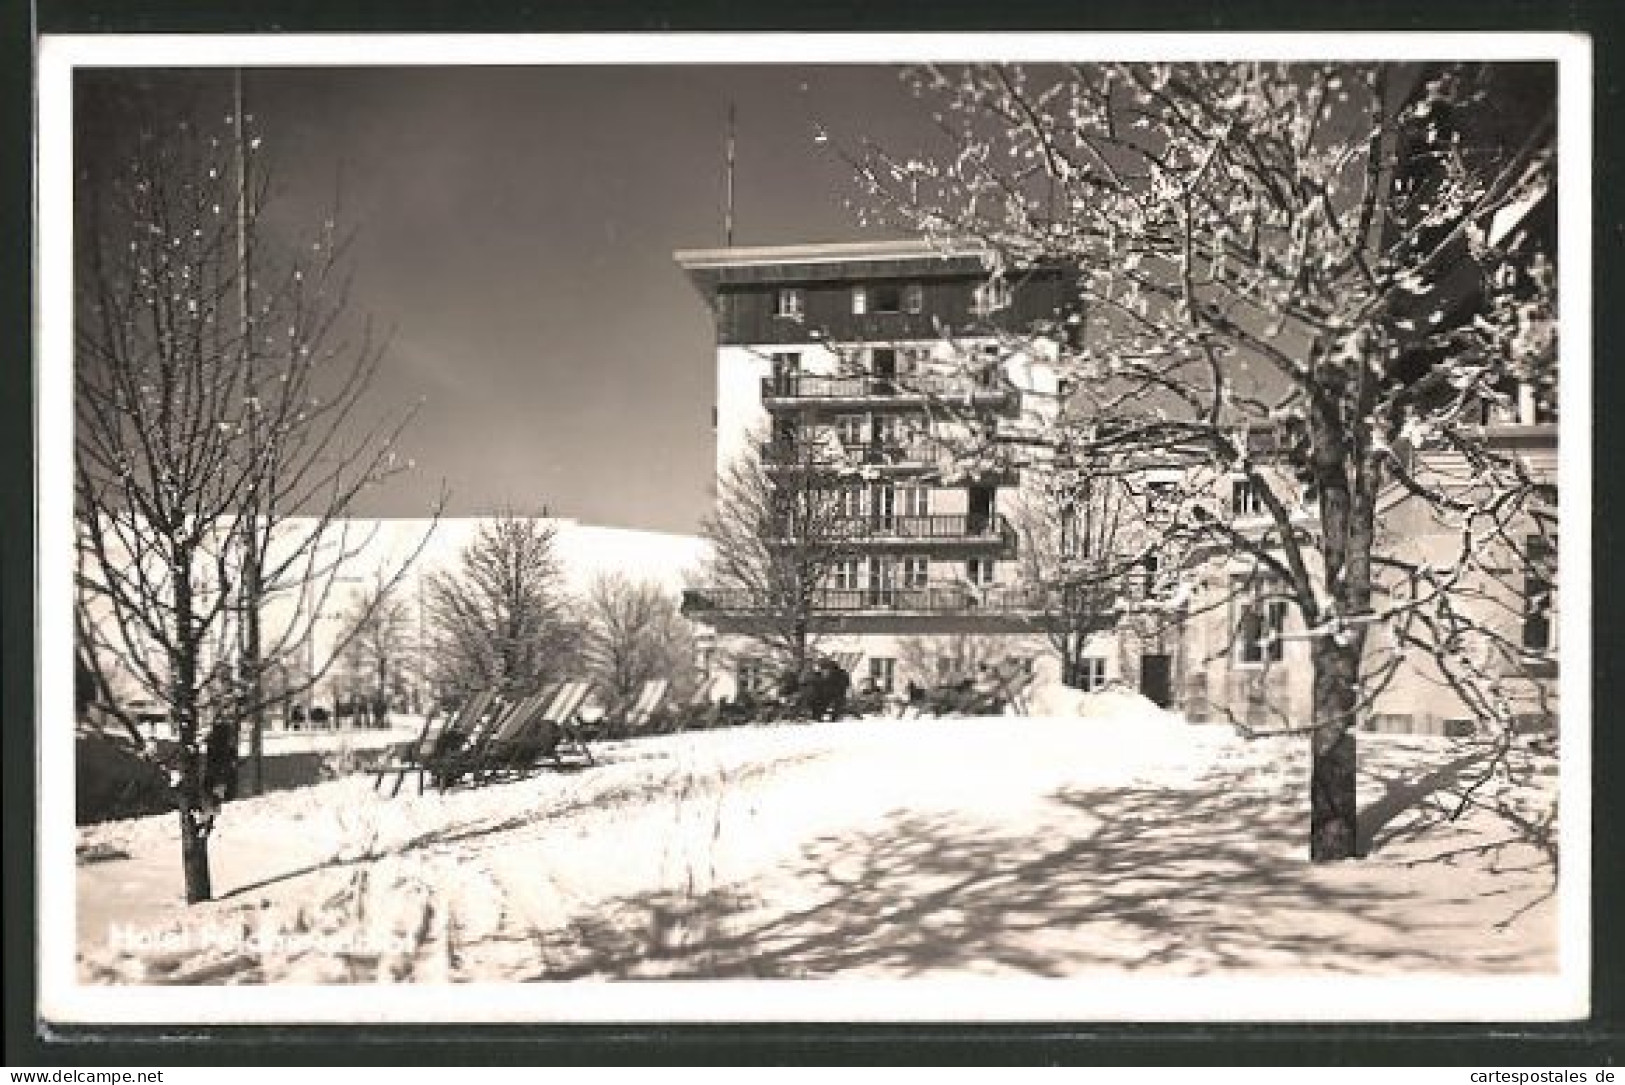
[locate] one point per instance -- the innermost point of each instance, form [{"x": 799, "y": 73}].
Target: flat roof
[
  {"x": 822, "y": 253},
  {"x": 838, "y": 260}
]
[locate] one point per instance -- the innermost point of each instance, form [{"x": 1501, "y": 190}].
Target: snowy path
[{"x": 993, "y": 847}]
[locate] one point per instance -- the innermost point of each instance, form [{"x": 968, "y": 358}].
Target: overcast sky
[{"x": 516, "y": 231}]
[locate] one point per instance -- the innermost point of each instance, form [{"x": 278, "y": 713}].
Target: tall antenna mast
[
  {"x": 253, "y": 585},
  {"x": 728, "y": 183}
]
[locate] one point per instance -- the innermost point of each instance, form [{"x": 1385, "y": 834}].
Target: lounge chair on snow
[{"x": 440, "y": 735}]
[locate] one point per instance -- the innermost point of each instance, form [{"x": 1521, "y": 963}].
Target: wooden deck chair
[
  {"x": 670, "y": 718},
  {"x": 530, "y": 737},
  {"x": 545, "y": 735},
  {"x": 439, "y": 734},
  {"x": 448, "y": 764},
  {"x": 565, "y": 714},
  {"x": 475, "y": 760},
  {"x": 641, "y": 711}
]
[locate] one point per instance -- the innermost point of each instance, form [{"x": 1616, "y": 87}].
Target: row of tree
[{"x": 500, "y": 618}]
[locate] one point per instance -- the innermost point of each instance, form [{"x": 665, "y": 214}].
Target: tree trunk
[
  {"x": 1072, "y": 647},
  {"x": 1332, "y": 794},
  {"x": 194, "y": 850},
  {"x": 193, "y": 802}
]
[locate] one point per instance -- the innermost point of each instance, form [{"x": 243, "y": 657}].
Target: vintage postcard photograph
[{"x": 802, "y": 528}]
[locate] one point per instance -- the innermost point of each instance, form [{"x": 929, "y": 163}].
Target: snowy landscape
[
  {"x": 1120, "y": 841},
  {"x": 1107, "y": 532}
]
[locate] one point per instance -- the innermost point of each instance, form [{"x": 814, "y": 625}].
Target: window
[
  {"x": 791, "y": 303},
  {"x": 1074, "y": 541},
  {"x": 1259, "y": 632},
  {"x": 883, "y": 504},
  {"x": 916, "y": 500},
  {"x": 1539, "y": 586},
  {"x": 883, "y": 363},
  {"x": 913, "y": 298},
  {"x": 1145, "y": 577},
  {"x": 750, "y": 676},
  {"x": 786, "y": 368},
  {"x": 979, "y": 571},
  {"x": 849, "y": 429},
  {"x": 882, "y": 581},
  {"x": 915, "y": 571},
  {"x": 883, "y": 673},
  {"x": 860, "y": 300},
  {"x": 990, "y": 297},
  {"x": 1159, "y": 492},
  {"x": 849, "y": 502},
  {"x": 885, "y": 430},
  {"x": 888, "y": 298},
  {"x": 1091, "y": 673},
  {"x": 844, "y": 575},
  {"x": 1244, "y": 497}
]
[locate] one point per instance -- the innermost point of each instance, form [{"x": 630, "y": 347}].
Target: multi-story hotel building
[{"x": 860, "y": 351}]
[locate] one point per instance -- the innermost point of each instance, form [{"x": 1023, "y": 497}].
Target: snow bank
[{"x": 1115, "y": 702}]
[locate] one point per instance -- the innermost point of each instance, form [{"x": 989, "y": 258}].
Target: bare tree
[
  {"x": 1307, "y": 281},
  {"x": 634, "y": 634},
  {"x": 378, "y": 640},
  {"x": 499, "y": 620},
  {"x": 777, "y": 535},
  {"x": 1090, "y": 553},
  {"x": 940, "y": 660},
  {"x": 215, "y": 445}
]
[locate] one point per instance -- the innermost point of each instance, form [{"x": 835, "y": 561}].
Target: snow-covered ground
[{"x": 1125, "y": 840}]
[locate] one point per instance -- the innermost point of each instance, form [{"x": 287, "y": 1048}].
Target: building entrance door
[{"x": 1156, "y": 679}]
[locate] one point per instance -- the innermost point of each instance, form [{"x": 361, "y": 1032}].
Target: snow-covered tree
[
  {"x": 1311, "y": 282},
  {"x": 634, "y": 634},
  {"x": 944, "y": 659},
  {"x": 378, "y": 638},
  {"x": 221, "y": 431},
  {"x": 776, "y": 537},
  {"x": 500, "y": 619},
  {"x": 1089, "y": 553}
]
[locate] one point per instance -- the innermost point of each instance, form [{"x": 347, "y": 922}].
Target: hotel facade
[{"x": 899, "y": 362}]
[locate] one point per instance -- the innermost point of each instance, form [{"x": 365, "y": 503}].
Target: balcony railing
[
  {"x": 951, "y": 598},
  {"x": 780, "y": 453},
  {"x": 917, "y": 529},
  {"x": 995, "y": 467},
  {"x": 802, "y": 389}
]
